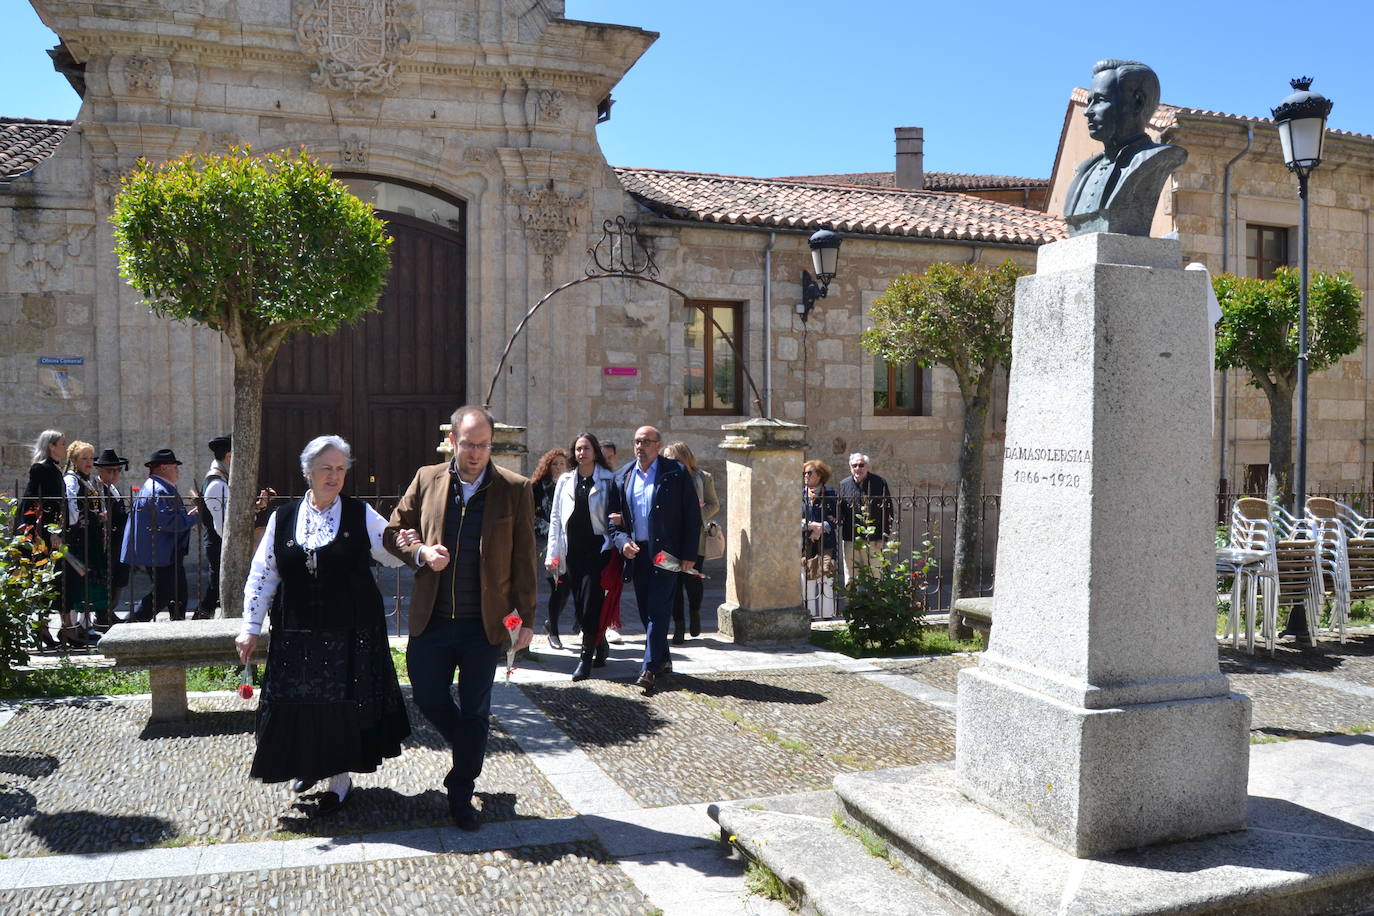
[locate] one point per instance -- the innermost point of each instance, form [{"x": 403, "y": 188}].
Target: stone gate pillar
[{"x": 763, "y": 592}]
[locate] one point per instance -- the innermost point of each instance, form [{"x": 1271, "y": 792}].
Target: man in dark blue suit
[{"x": 655, "y": 524}]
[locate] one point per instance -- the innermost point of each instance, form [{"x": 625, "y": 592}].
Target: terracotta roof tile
[
  {"x": 25, "y": 142},
  {"x": 795, "y": 204},
  {"x": 934, "y": 181}
]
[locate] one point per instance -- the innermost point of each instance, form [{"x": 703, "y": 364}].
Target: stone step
[{"x": 828, "y": 870}]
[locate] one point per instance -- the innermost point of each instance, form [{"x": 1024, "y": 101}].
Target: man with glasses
[
  {"x": 865, "y": 501},
  {"x": 655, "y": 522},
  {"x": 468, "y": 527}
]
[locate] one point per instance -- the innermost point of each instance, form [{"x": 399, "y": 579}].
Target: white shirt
[
  {"x": 72, "y": 484},
  {"x": 216, "y": 496},
  {"x": 314, "y": 529}
]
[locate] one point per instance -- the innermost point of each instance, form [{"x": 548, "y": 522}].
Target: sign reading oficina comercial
[{"x": 61, "y": 360}]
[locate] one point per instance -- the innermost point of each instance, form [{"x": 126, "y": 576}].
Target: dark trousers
[
  {"x": 210, "y": 600},
  {"x": 654, "y": 589},
  {"x": 169, "y": 591},
  {"x": 447, "y": 645},
  {"x": 694, "y": 587},
  {"x": 584, "y": 582},
  {"x": 559, "y": 589}
]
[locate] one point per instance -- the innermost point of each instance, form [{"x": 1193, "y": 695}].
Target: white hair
[
  {"x": 318, "y": 446},
  {"x": 858, "y": 455},
  {"x": 46, "y": 439}
]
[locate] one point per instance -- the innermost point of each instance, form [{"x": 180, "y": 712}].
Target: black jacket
[
  {"x": 674, "y": 518},
  {"x": 872, "y": 501}
]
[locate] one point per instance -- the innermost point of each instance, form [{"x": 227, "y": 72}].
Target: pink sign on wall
[{"x": 620, "y": 370}]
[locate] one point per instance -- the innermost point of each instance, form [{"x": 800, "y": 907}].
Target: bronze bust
[{"x": 1117, "y": 190}]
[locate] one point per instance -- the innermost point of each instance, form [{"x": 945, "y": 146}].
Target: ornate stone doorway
[{"x": 386, "y": 384}]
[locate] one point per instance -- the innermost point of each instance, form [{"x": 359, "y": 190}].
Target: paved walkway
[{"x": 593, "y": 797}]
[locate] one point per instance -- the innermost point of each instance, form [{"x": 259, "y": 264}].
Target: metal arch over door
[{"x": 386, "y": 384}]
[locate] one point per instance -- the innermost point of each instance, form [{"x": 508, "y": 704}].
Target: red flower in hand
[
  {"x": 246, "y": 691},
  {"x": 659, "y": 558},
  {"x": 512, "y": 622}
]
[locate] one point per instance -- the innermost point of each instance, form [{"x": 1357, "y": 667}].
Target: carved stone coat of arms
[{"x": 356, "y": 42}]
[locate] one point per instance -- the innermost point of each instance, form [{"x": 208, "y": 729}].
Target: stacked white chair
[{"x": 1291, "y": 571}]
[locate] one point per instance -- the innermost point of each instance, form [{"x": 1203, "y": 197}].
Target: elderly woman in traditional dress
[{"x": 330, "y": 703}]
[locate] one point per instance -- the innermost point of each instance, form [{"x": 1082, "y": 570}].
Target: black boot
[
  {"x": 694, "y": 621},
  {"x": 584, "y": 664},
  {"x": 677, "y": 626},
  {"x": 603, "y": 650}
]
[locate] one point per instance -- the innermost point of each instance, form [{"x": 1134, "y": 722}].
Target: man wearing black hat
[
  {"x": 108, "y": 467},
  {"x": 214, "y": 497},
  {"x": 158, "y": 536}
]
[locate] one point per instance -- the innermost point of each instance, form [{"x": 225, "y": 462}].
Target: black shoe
[
  {"x": 678, "y": 638},
  {"x": 464, "y": 814},
  {"x": 645, "y": 681},
  {"x": 300, "y": 785},
  {"x": 602, "y": 652},
  {"x": 694, "y": 621},
  {"x": 554, "y": 641},
  {"x": 666, "y": 667},
  {"x": 582, "y": 671},
  {"x": 329, "y": 803}
]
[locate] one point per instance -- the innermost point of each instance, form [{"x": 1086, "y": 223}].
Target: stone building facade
[
  {"x": 1233, "y": 192},
  {"x": 473, "y": 128}
]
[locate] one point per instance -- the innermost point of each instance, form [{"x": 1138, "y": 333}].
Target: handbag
[
  {"x": 821, "y": 566},
  {"x": 715, "y": 542}
]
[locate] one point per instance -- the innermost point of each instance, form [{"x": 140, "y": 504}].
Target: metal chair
[{"x": 1293, "y": 567}]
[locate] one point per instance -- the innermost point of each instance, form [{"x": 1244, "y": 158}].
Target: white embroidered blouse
[{"x": 314, "y": 529}]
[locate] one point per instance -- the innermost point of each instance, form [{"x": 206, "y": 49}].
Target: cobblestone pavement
[
  {"x": 593, "y": 795},
  {"x": 721, "y": 736},
  {"x": 938, "y": 671},
  {"x": 569, "y": 878},
  {"x": 98, "y": 779}
]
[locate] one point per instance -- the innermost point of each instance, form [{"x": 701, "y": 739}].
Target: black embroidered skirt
[{"x": 330, "y": 703}]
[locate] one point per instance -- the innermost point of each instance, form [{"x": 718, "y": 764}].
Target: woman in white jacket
[{"x": 580, "y": 545}]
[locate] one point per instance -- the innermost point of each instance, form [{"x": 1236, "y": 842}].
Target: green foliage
[
  {"x": 762, "y": 882},
  {"x": 258, "y": 246},
  {"x": 883, "y": 607},
  {"x": 29, "y": 573},
  {"x": 956, "y": 315},
  {"x": 1258, "y": 330}
]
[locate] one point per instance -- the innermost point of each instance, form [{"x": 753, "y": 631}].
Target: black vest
[
  {"x": 460, "y": 584},
  {"x": 341, "y": 594}
]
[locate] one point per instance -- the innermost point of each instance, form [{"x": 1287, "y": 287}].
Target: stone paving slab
[
  {"x": 1353, "y": 661},
  {"x": 93, "y": 776},
  {"x": 708, "y": 737},
  {"x": 529, "y": 881}
]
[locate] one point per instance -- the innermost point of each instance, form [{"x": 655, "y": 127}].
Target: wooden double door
[{"x": 384, "y": 384}]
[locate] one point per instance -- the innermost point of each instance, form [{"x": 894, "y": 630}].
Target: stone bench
[
  {"x": 168, "y": 649},
  {"x": 976, "y": 614}
]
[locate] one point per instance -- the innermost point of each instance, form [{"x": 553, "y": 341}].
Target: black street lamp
[
  {"x": 1301, "y": 119},
  {"x": 825, "y": 257}
]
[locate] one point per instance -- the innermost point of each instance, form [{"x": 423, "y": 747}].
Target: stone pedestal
[
  {"x": 1098, "y": 718},
  {"x": 763, "y": 533}
]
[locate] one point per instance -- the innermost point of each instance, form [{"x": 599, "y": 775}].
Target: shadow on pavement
[
  {"x": 368, "y": 808},
  {"x": 743, "y": 689},
  {"x": 203, "y": 724},
  {"x": 592, "y": 717},
  {"x": 89, "y": 831}
]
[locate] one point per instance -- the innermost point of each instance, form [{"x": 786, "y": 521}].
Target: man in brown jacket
[{"x": 467, "y": 527}]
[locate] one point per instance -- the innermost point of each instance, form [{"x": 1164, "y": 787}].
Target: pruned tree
[
  {"x": 1258, "y": 332},
  {"x": 958, "y": 316},
  {"x": 257, "y": 248}
]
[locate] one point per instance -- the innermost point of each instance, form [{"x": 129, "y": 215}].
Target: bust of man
[{"x": 1118, "y": 189}]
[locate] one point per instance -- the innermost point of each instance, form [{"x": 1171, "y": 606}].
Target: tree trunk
[
  {"x": 250, "y": 374},
  {"x": 967, "y": 523},
  {"x": 1280, "y": 484}
]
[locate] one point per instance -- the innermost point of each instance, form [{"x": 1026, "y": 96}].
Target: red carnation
[
  {"x": 512, "y": 622},
  {"x": 659, "y": 558},
  {"x": 246, "y": 691}
]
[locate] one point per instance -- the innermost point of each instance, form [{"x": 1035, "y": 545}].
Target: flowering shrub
[
  {"x": 883, "y": 604},
  {"x": 29, "y": 572}
]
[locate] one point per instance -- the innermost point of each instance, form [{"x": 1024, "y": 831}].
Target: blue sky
[{"x": 781, "y": 87}]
